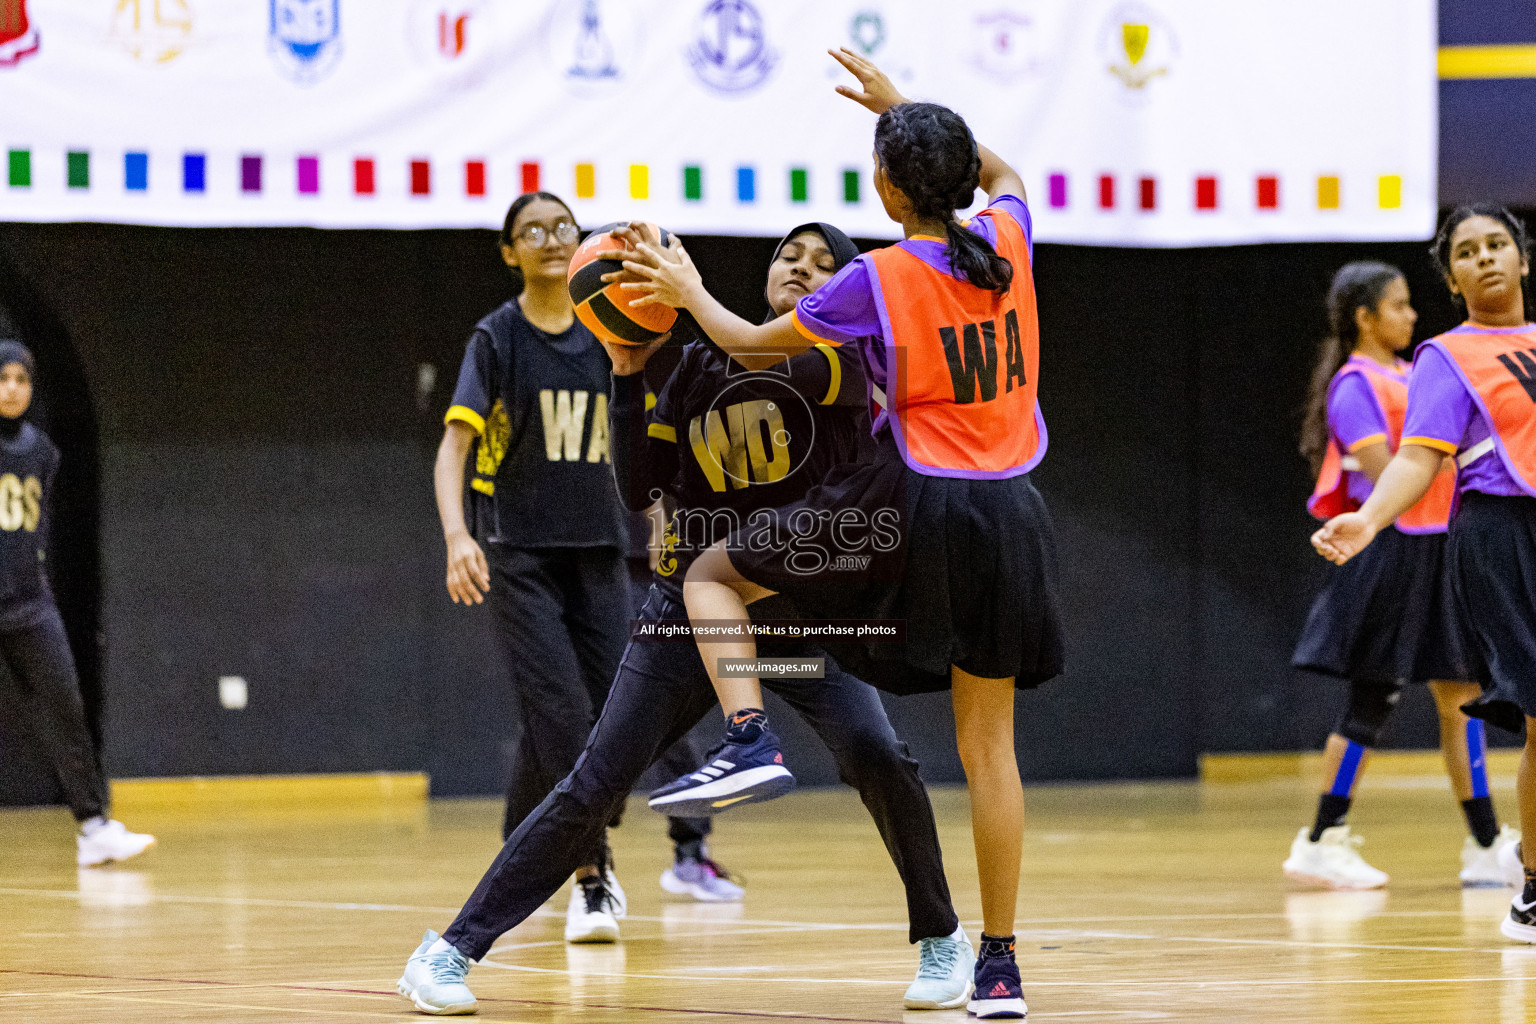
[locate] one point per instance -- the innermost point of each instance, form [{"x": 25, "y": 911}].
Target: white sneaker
[
  {"x": 1484, "y": 868},
  {"x": 1332, "y": 862},
  {"x": 594, "y": 911},
  {"x": 434, "y": 982},
  {"x": 109, "y": 841},
  {"x": 1511, "y": 864},
  {"x": 944, "y": 970}
]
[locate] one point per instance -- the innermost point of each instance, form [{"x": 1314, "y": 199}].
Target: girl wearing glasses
[{"x": 533, "y": 390}]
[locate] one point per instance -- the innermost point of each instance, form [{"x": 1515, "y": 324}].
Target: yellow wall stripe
[
  {"x": 1307, "y": 768},
  {"x": 1517, "y": 61},
  {"x": 267, "y": 789},
  {"x": 586, "y": 181}
]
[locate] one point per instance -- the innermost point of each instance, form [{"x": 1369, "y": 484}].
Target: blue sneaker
[
  {"x": 736, "y": 773},
  {"x": 944, "y": 970},
  {"x": 434, "y": 982},
  {"x": 998, "y": 992}
]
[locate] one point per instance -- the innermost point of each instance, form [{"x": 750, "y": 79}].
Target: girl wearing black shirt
[
  {"x": 722, "y": 445},
  {"x": 533, "y": 389},
  {"x": 33, "y": 645}
]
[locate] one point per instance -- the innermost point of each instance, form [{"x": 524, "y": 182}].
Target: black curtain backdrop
[{"x": 258, "y": 412}]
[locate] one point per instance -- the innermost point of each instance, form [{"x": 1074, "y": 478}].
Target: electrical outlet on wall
[{"x": 233, "y": 692}]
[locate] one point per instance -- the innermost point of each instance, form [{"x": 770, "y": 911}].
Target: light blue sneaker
[
  {"x": 944, "y": 971},
  {"x": 434, "y": 982}
]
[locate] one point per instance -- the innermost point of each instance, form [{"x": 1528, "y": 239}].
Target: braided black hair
[
  {"x": 1440, "y": 251},
  {"x": 517, "y": 207},
  {"x": 928, "y": 152},
  {"x": 1358, "y": 285}
]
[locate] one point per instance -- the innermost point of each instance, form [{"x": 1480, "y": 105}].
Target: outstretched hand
[
  {"x": 665, "y": 276},
  {"x": 1343, "y": 537},
  {"x": 876, "y": 92}
]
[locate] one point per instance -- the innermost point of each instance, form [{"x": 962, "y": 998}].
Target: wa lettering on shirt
[
  {"x": 1522, "y": 366},
  {"x": 747, "y": 443},
  {"x": 568, "y": 417},
  {"x": 971, "y": 351}
]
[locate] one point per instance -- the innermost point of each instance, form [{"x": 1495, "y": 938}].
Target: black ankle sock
[
  {"x": 1330, "y": 812},
  {"x": 693, "y": 849},
  {"x": 746, "y": 725},
  {"x": 995, "y": 945},
  {"x": 1481, "y": 820},
  {"x": 1529, "y": 895}
]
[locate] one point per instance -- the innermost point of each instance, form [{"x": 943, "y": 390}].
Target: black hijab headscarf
[
  {"x": 840, "y": 245},
  {"x": 13, "y": 351}
]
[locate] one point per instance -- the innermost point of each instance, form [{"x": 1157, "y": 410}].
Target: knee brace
[{"x": 1370, "y": 704}]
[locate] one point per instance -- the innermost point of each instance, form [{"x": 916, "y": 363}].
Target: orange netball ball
[{"x": 605, "y": 308}]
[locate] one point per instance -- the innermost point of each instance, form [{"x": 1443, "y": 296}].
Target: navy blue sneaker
[
  {"x": 998, "y": 992},
  {"x": 736, "y": 773}
]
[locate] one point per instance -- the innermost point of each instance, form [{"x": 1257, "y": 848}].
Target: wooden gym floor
[{"x": 1149, "y": 902}]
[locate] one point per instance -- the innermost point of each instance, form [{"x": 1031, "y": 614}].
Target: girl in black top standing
[{"x": 33, "y": 645}]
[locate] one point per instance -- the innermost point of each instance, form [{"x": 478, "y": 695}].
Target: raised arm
[{"x": 877, "y": 93}]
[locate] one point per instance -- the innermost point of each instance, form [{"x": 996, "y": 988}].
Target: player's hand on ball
[
  {"x": 1343, "y": 537},
  {"x": 667, "y": 276},
  {"x": 631, "y": 359},
  {"x": 876, "y": 92},
  {"x": 469, "y": 576}
]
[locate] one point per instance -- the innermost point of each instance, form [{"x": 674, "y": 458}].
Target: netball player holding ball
[
  {"x": 1387, "y": 618},
  {"x": 32, "y": 640},
  {"x": 806, "y": 417},
  {"x": 533, "y": 389},
  {"x": 947, "y": 325},
  {"x": 1472, "y": 395}
]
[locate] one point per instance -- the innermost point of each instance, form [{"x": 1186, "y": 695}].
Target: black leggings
[
  {"x": 38, "y": 658},
  {"x": 561, "y": 618}
]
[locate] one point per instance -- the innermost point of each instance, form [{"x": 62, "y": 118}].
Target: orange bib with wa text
[
  {"x": 962, "y": 362},
  {"x": 1498, "y": 368}
]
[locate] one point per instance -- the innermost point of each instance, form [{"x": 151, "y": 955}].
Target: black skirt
[
  {"x": 966, "y": 567},
  {"x": 1389, "y": 615},
  {"x": 1492, "y": 557}
]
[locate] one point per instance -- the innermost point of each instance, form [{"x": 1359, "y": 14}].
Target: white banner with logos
[{"x": 1133, "y": 122}]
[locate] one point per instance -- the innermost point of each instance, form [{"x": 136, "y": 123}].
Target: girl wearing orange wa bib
[
  {"x": 1388, "y": 618},
  {"x": 1472, "y": 394},
  {"x": 940, "y": 528}
]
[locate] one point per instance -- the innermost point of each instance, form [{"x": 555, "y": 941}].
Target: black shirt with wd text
[
  {"x": 28, "y": 462},
  {"x": 540, "y": 405},
  {"x": 725, "y": 442}
]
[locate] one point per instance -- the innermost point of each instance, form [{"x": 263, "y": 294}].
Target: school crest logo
[
  {"x": 867, "y": 32},
  {"x": 1138, "y": 45},
  {"x": 730, "y": 51},
  {"x": 153, "y": 31},
  {"x": 1005, "y": 44},
  {"x": 304, "y": 37},
  {"x": 448, "y": 33},
  {"x": 18, "y": 38},
  {"x": 593, "y": 45}
]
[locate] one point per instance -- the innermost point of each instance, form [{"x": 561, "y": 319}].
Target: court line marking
[
  {"x": 141, "y": 899},
  {"x": 774, "y": 1014}
]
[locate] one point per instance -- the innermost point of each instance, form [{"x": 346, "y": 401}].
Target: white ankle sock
[
  {"x": 90, "y": 826},
  {"x": 440, "y": 945}
]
